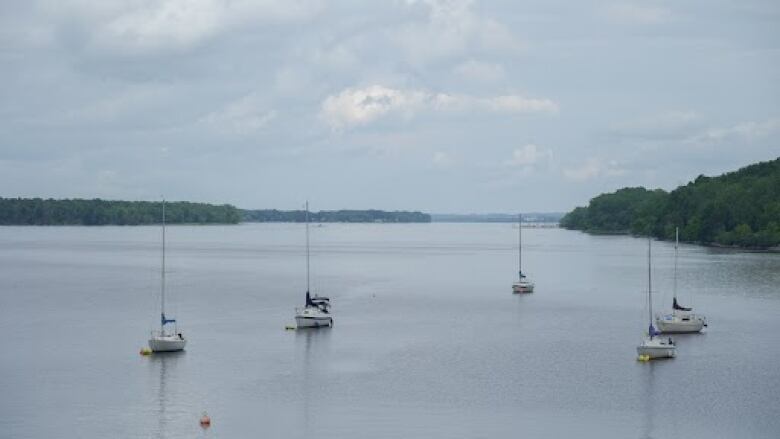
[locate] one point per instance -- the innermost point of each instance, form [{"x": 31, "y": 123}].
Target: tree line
[
  {"x": 38, "y": 211},
  {"x": 333, "y": 216},
  {"x": 740, "y": 208}
]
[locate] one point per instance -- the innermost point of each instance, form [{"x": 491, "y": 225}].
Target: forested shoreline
[
  {"x": 335, "y": 216},
  {"x": 38, "y": 211},
  {"x": 740, "y": 209}
]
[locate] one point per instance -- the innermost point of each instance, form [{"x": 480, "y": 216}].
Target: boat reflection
[
  {"x": 649, "y": 400},
  {"x": 316, "y": 348},
  {"x": 165, "y": 364}
]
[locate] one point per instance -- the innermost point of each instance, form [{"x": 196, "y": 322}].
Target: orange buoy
[{"x": 205, "y": 421}]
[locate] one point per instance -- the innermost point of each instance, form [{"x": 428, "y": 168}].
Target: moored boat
[
  {"x": 523, "y": 284},
  {"x": 653, "y": 346},
  {"x": 681, "y": 320},
  {"x": 165, "y": 339},
  {"x": 316, "y": 312}
]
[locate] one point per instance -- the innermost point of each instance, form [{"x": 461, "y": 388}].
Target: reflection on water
[
  {"x": 315, "y": 344},
  {"x": 165, "y": 364},
  {"x": 648, "y": 399}
]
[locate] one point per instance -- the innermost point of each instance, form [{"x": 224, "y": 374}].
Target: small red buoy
[{"x": 205, "y": 421}]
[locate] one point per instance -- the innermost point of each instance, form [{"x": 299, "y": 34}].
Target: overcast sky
[{"x": 441, "y": 106}]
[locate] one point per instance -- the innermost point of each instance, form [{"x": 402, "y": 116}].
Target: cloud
[
  {"x": 140, "y": 26},
  {"x": 166, "y": 23},
  {"x": 451, "y": 28},
  {"x": 635, "y": 13},
  {"x": 360, "y": 106},
  {"x": 593, "y": 168}
]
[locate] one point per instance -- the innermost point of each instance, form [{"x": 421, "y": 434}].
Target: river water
[{"x": 428, "y": 340}]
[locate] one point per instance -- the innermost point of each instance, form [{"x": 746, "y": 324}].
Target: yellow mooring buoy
[
  {"x": 146, "y": 351},
  {"x": 644, "y": 358}
]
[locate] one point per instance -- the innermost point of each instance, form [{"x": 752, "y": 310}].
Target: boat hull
[
  {"x": 678, "y": 325},
  {"x": 518, "y": 288},
  {"x": 166, "y": 344},
  {"x": 654, "y": 349},
  {"x": 313, "y": 322}
]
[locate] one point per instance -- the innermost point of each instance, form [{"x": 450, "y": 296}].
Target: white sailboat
[
  {"x": 165, "y": 340},
  {"x": 654, "y": 346},
  {"x": 681, "y": 320},
  {"x": 523, "y": 285},
  {"x": 316, "y": 312}
]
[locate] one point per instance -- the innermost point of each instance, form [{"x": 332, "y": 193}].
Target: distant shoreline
[{"x": 99, "y": 212}]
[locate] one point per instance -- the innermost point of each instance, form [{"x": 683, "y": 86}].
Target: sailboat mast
[
  {"x": 520, "y": 245},
  {"x": 676, "y": 243},
  {"x": 649, "y": 287},
  {"x": 162, "y": 271},
  {"x": 307, "y": 246}
]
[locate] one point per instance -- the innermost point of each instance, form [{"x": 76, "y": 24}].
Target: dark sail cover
[
  {"x": 677, "y": 306},
  {"x": 308, "y": 300}
]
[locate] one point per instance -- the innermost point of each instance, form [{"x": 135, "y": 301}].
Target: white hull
[
  {"x": 679, "y": 324},
  {"x": 312, "y": 317},
  {"x": 166, "y": 344},
  {"x": 654, "y": 348}
]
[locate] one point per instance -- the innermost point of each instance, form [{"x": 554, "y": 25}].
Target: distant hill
[
  {"x": 740, "y": 208},
  {"x": 38, "y": 211},
  {"x": 335, "y": 216},
  {"x": 550, "y": 217}
]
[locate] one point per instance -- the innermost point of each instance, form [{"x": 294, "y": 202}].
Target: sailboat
[
  {"x": 316, "y": 312},
  {"x": 681, "y": 319},
  {"x": 165, "y": 340},
  {"x": 654, "y": 346},
  {"x": 523, "y": 285}
]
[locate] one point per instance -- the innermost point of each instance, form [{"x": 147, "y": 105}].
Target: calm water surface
[{"x": 428, "y": 340}]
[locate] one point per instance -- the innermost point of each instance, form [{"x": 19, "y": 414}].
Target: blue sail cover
[
  {"x": 652, "y": 331},
  {"x": 521, "y": 274},
  {"x": 166, "y": 321}
]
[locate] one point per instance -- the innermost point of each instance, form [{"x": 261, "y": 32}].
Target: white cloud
[
  {"x": 636, "y": 13},
  {"x": 480, "y": 71},
  {"x": 593, "y": 168},
  {"x": 452, "y": 27},
  {"x": 360, "y": 106},
  {"x": 165, "y": 24}
]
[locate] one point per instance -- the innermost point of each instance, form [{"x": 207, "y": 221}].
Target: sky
[{"x": 440, "y": 106}]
